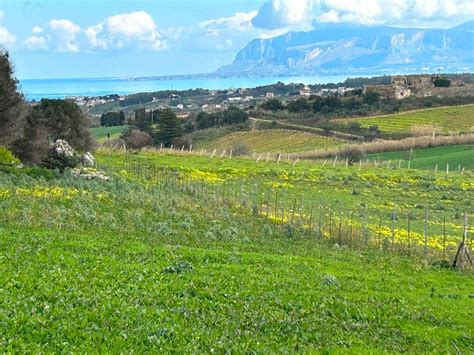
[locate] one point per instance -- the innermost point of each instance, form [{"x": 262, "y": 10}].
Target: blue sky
[{"x": 114, "y": 38}]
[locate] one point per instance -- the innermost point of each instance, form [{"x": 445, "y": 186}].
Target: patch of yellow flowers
[{"x": 55, "y": 192}]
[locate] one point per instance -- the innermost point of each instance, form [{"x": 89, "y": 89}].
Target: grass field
[
  {"x": 455, "y": 118},
  {"x": 267, "y": 141},
  {"x": 428, "y": 158},
  {"x": 100, "y": 133},
  {"x": 160, "y": 259}
]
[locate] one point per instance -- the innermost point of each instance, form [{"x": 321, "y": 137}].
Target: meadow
[
  {"x": 447, "y": 119},
  {"x": 183, "y": 253}
]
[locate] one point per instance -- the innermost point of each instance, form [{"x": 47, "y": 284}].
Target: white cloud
[
  {"x": 64, "y": 34},
  {"x": 36, "y": 43},
  {"x": 36, "y": 30},
  {"x": 283, "y": 13},
  {"x": 240, "y": 22},
  {"x": 6, "y": 37},
  {"x": 126, "y": 30},
  {"x": 289, "y": 13}
]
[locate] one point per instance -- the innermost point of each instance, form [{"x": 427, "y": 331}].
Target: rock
[
  {"x": 89, "y": 174},
  {"x": 62, "y": 149},
  {"x": 88, "y": 160}
]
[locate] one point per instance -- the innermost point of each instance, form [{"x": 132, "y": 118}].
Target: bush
[
  {"x": 7, "y": 157},
  {"x": 353, "y": 153},
  {"x": 240, "y": 148},
  {"x": 135, "y": 139}
]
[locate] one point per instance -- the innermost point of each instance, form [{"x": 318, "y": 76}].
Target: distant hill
[
  {"x": 467, "y": 26},
  {"x": 346, "y": 49}
]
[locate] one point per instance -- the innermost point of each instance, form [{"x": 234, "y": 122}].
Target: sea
[{"x": 36, "y": 89}]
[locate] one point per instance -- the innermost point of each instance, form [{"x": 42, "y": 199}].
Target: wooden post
[
  {"x": 436, "y": 168},
  {"x": 258, "y": 159},
  {"x": 399, "y": 164},
  {"x": 223, "y": 153},
  {"x": 279, "y": 157},
  {"x": 425, "y": 232},
  {"x": 230, "y": 154},
  {"x": 325, "y": 162},
  {"x": 409, "y": 164},
  {"x": 360, "y": 165},
  {"x": 296, "y": 161},
  {"x": 394, "y": 216},
  {"x": 447, "y": 168},
  {"x": 268, "y": 157},
  {"x": 335, "y": 160}
]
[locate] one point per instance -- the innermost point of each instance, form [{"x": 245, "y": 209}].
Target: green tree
[
  {"x": 13, "y": 109},
  {"x": 272, "y": 105},
  {"x": 64, "y": 119},
  {"x": 298, "y": 105},
  {"x": 170, "y": 128}
]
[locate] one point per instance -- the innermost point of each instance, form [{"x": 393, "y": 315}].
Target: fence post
[
  {"x": 364, "y": 227},
  {"x": 394, "y": 216},
  {"x": 425, "y": 232}
]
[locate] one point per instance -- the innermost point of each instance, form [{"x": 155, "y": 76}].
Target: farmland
[
  {"x": 100, "y": 133},
  {"x": 167, "y": 257},
  {"x": 271, "y": 140},
  {"x": 454, "y": 118},
  {"x": 429, "y": 158}
]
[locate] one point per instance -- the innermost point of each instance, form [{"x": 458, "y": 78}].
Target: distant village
[{"x": 399, "y": 88}]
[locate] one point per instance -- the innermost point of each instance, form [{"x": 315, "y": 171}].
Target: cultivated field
[
  {"x": 271, "y": 140},
  {"x": 100, "y": 133},
  {"x": 454, "y": 118},
  {"x": 181, "y": 253},
  {"x": 429, "y": 158}
]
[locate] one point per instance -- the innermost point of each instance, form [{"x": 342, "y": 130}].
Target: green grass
[
  {"x": 271, "y": 140},
  {"x": 167, "y": 263},
  {"x": 100, "y": 133},
  {"x": 428, "y": 158},
  {"x": 454, "y": 118}
]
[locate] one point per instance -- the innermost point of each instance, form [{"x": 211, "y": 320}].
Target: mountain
[
  {"x": 350, "y": 49},
  {"x": 466, "y": 26}
]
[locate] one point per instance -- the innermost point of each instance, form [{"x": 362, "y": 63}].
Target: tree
[
  {"x": 64, "y": 119},
  {"x": 110, "y": 119},
  {"x": 298, "y": 105},
  {"x": 272, "y": 105},
  {"x": 371, "y": 98},
  {"x": 13, "y": 109},
  {"x": 170, "y": 128},
  {"x": 234, "y": 115}
]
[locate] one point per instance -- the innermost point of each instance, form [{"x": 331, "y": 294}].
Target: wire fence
[{"x": 410, "y": 231}]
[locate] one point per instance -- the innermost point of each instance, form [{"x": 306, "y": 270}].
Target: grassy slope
[
  {"x": 124, "y": 267},
  {"x": 455, "y": 118},
  {"x": 271, "y": 140},
  {"x": 462, "y": 155},
  {"x": 100, "y": 133}
]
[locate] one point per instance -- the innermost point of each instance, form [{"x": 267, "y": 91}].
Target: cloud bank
[{"x": 282, "y": 13}]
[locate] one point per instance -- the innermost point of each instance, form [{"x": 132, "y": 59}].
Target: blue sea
[{"x": 60, "y": 88}]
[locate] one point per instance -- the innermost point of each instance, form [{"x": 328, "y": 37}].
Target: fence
[{"x": 407, "y": 231}]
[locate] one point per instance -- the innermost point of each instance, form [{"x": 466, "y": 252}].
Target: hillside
[
  {"x": 265, "y": 141},
  {"x": 342, "y": 48},
  {"x": 182, "y": 253},
  {"x": 448, "y": 119}
]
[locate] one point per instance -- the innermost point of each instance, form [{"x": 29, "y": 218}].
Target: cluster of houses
[{"x": 404, "y": 86}]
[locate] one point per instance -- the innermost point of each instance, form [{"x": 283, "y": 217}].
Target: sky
[{"x": 123, "y": 38}]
